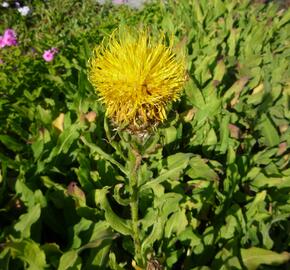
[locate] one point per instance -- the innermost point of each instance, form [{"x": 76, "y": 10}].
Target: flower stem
[{"x": 133, "y": 182}]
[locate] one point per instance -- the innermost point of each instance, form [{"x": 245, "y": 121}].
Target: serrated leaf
[
  {"x": 264, "y": 181},
  {"x": 117, "y": 196},
  {"x": 254, "y": 257},
  {"x": 175, "y": 164},
  {"x": 119, "y": 224},
  {"x": 166, "y": 204},
  {"x": 154, "y": 235},
  {"x": 175, "y": 224},
  {"x": 26, "y": 220},
  {"x": 29, "y": 252},
  {"x": 200, "y": 170},
  {"x": 26, "y": 194},
  {"x": 189, "y": 235},
  {"x": 149, "y": 219}
]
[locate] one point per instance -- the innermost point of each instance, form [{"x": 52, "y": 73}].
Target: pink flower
[
  {"x": 9, "y": 38},
  {"x": 48, "y": 55}
]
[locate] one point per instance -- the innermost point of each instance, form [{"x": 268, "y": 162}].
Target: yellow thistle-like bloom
[{"x": 136, "y": 78}]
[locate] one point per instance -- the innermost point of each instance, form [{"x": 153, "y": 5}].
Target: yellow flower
[{"x": 136, "y": 77}]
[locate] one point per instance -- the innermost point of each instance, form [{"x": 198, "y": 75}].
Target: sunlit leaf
[
  {"x": 254, "y": 257},
  {"x": 26, "y": 220}
]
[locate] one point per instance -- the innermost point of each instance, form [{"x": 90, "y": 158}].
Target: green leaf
[
  {"x": 232, "y": 41},
  {"x": 268, "y": 131},
  {"x": 175, "y": 224},
  {"x": 145, "y": 174},
  {"x": 200, "y": 170},
  {"x": 233, "y": 93},
  {"x": 170, "y": 135},
  {"x": 113, "y": 262},
  {"x": 219, "y": 71},
  {"x": 117, "y": 196},
  {"x": 101, "y": 237},
  {"x": 166, "y": 204},
  {"x": 264, "y": 181},
  {"x": 167, "y": 24},
  {"x": 37, "y": 148},
  {"x": 194, "y": 95},
  {"x": 44, "y": 115},
  {"x": 175, "y": 165},
  {"x": 78, "y": 228},
  {"x": 198, "y": 11},
  {"x": 53, "y": 254},
  {"x": 83, "y": 172},
  {"x": 189, "y": 235},
  {"x": 254, "y": 257},
  {"x": 254, "y": 208},
  {"x": 225, "y": 260},
  {"x": 120, "y": 225},
  {"x": 285, "y": 18},
  {"x": 5, "y": 259},
  {"x": 99, "y": 257},
  {"x": 26, "y": 221},
  {"x": 51, "y": 184},
  {"x": 98, "y": 150},
  {"x": 29, "y": 252},
  {"x": 65, "y": 140},
  {"x": 68, "y": 259},
  {"x": 11, "y": 143},
  {"x": 26, "y": 194},
  {"x": 224, "y": 133},
  {"x": 155, "y": 234},
  {"x": 234, "y": 222}
]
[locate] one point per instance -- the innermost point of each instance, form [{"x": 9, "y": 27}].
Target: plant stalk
[{"x": 133, "y": 182}]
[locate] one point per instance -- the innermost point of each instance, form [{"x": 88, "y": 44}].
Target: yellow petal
[{"x": 136, "y": 77}]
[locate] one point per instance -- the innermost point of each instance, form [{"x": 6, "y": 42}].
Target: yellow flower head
[{"x": 136, "y": 78}]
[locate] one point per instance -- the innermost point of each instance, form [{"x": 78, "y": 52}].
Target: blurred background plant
[{"x": 214, "y": 181}]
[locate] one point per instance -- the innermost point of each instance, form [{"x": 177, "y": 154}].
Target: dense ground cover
[{"x": 214, "y": 179}]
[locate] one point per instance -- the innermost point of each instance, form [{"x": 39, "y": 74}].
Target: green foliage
[{"x": 213, "y": 181}]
